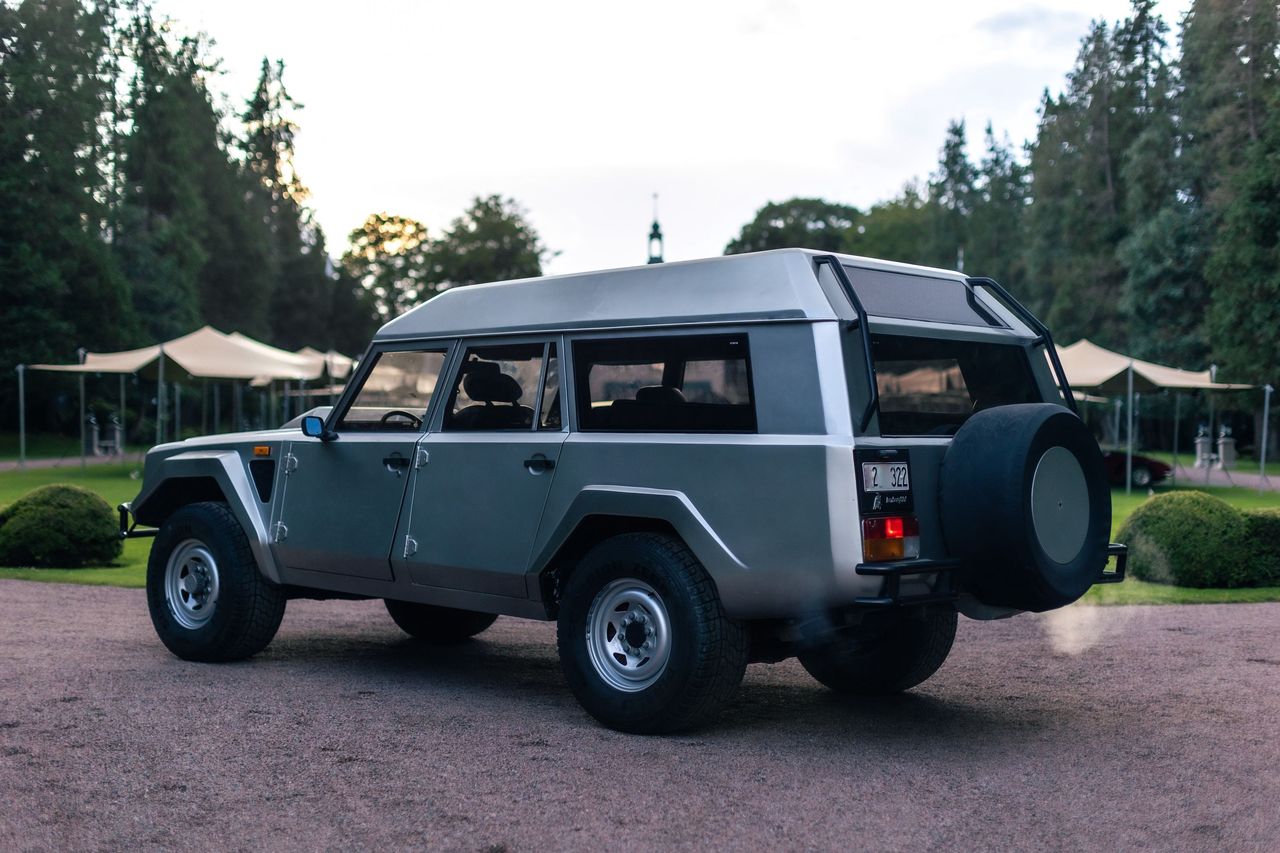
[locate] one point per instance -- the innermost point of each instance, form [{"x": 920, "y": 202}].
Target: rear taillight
[{"x": 891, "y": 538}]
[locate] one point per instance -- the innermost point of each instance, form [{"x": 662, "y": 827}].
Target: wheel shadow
[{"x": 523, "y": 677}]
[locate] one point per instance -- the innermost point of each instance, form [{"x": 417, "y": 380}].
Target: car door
[
  {"x": 478, "y": 498},
  {"x": 342, "y": 497}
]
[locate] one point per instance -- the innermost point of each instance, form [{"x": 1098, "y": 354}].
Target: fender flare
[
  {"x": 672, "y": 507},
  {"x": 226, "y": 469}
]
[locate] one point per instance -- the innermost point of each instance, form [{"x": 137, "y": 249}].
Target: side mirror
[{"x": 313, "y": 427}]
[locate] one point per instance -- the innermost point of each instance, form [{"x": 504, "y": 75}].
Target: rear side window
[
  {"x": 918, "y": 297},
  {"x": 670, "y": 384},
  {"x": 931, "y": 387}
]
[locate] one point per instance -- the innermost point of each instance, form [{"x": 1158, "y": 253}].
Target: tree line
[
  {"x": 1145, "y": 214},
  {"x": 137, "y": 204}
]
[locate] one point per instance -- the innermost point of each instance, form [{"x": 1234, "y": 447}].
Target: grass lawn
[
  {"x": 39, "y": 446},
  {"x": 119, "y": 483},
  {"x": 1187, "y": 459}
]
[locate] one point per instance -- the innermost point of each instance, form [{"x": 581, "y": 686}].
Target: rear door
[
  {"x": 342, "y": 498},
  {"x": 478, "y": 498}
]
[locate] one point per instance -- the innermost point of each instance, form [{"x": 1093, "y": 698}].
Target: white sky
[{"x": 582, "y": 110}]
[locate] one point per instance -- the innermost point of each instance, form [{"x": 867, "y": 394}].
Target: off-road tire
[
  {"x": 248, "y": 607},
  {"x": 708, "y": 651},
  {"x": 890, "y": 660},
  {"x": 439, "y": 625}
]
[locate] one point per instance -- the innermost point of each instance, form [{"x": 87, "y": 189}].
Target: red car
[{"x": 1146, "y": 471}]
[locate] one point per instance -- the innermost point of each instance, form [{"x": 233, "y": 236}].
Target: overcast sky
[{"x": 582, "y": 110}]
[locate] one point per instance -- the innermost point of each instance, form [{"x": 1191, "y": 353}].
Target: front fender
[{"x": 226, "y": 469}]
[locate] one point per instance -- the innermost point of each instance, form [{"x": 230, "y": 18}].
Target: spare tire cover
[{"x": 1026, "y": 506}]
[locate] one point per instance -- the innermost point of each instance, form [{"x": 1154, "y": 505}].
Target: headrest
[
  {"x": 665, "y": 394},
  {"x": 491, "y": 387}
]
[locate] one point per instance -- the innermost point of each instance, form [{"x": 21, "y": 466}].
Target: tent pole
[
  {"x": 160, "y": 401},
  {"x": 120, "y": 437},
  {"x": 83, "y": 462},
  {"x": 1213, "y": 377},
  {"x": 217, "y": 408},
  {"x": 1177, "y": 403},
  {"x": 177, "y": 412},
  {"x": 1263, "y": 480},
  {"x": 22, "y": 416},
  {"x": 1128, "y": 456}
]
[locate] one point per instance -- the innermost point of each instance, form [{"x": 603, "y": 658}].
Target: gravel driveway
[{"x": 1093, "y": 728}]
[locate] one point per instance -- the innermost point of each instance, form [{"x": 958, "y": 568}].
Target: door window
[
  {"x": 396, "y": 392},
  {"x": 496, "y": 388}
]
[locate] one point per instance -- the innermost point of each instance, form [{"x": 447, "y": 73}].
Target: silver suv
[{"x": 690, "y": 467}]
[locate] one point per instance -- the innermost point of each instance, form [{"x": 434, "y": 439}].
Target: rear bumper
[{"x": 942, "y": 587}]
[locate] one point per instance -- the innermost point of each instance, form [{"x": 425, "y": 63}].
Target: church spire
[{"x": 655, "y": 236}]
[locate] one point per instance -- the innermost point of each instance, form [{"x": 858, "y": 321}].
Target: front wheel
[
  {"x": 885, "y": 659},
  {"x": 208, "y": 601},
  {"x": 644, "y": 643},
  {"x": 1141, "y": 477}
]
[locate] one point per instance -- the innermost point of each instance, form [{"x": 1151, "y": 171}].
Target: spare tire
[{"x": 1026, "y": 506}]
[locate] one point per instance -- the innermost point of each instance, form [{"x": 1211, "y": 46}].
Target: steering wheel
[{"x": 401, "y": 413}]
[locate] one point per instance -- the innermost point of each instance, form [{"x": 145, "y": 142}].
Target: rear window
[
  {"x": 931, "y": 387},
  {"x": 918, "y": 297},
  {"x": 680, "y": 383}
]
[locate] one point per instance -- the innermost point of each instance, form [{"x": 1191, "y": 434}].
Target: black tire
[
  {"x": 243, "y": 611},
  {"x": 707, "y": 651},
  {"x": 1026, "y": 506},
  {"x": 440, "y": 625},
  {"x": 885, "y": 659}
]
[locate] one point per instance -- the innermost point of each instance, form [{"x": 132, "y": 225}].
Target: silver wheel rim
[
  {"x": 628, "y": 635},
  {"x": 1060, "y": 505},
  {"x": 191, "y": 584}
]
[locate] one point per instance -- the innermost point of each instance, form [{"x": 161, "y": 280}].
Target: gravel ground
[{"x": 1094, "y": 728}]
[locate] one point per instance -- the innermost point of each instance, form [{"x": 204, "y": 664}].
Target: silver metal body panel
[{"x": 773, "y": 515}]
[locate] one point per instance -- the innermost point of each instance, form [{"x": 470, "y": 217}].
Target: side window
[
  {"x": 550, "y": 417},
  {"x": 671, "y": 384},
  {"x": 496, "y": 388},
  {"x": 396, "y": 393}
]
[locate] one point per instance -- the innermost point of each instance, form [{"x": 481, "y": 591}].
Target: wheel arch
[
  {"x": 598, "y": 513},
  {"x": 198, "y": 476}
]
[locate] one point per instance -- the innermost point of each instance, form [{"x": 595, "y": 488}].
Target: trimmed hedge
[
  {"x": 1190, "y": 539},
  {"x": 1264, "y": 544},
  {"x": 59, "y": 526}
]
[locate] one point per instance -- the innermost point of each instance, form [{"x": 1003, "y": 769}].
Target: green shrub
[
  {"x": 59, "y": 526},
  {"x": 1264, "y": 546},
  {"x": 1188, "y": 539}
]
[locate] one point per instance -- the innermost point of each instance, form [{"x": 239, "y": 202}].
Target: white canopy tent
[
  {"x": 1090, "y": 366},
  {"x": 203, "y": 354}
]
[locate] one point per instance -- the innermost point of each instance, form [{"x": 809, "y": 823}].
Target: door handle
[
  {"x": 539, "y": 463},
  {"x": 395, "y": 461}
]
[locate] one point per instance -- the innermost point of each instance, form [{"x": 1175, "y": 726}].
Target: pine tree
[
  {"x": 995, "y": 243},
  {"x": 59, "y": 286},
  {"x": 951, "y": 200},
  {"x": 302, "y": 292}
]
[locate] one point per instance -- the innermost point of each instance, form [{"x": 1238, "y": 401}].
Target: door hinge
[
  {"x": 421, "y": 457},
  {"x": 290, "y": 463},
  {"x": 280, "y": 532},
  {"x": 410, "y": 546}
]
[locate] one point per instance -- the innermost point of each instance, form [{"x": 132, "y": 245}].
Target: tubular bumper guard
[
  {"x": 129, "y": 528},
  {"x": 943, "y": 587}
]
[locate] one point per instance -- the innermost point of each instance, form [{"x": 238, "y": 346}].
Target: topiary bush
[
  {"x": 1264, "y": 546},
  {"x": 59, "y": 526},
  {"x": 1188, "y": 539}
]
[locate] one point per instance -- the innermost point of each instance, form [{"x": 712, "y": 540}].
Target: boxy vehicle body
[{"x": 778, "y": 421}]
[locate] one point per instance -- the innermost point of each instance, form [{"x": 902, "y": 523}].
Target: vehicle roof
[{"x": 761, "y": 286}]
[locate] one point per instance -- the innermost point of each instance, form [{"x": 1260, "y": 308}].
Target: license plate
[{"x": 885, "y": 477}]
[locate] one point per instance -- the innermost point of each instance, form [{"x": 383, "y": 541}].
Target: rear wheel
[
  {"x": 883, "y": 660},
  {"x": 207, "y": 599},
  {"x": 1141, "y": 477},
  {"x": 644, "y": 642},
  {"x": 438, "y": 624}
]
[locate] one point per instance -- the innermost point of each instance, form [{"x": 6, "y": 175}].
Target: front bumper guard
[
  {"x": 943, "y": 588},
  {"x": 129, "y": 526}
]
